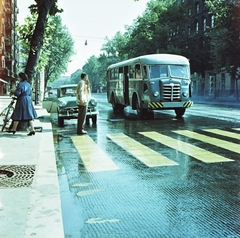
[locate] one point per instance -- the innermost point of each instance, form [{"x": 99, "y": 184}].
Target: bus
[{"x": 150, "y": 82}]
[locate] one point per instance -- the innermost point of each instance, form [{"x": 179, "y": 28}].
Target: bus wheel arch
[
  {"x": 113, "y": 102},
  {"x": 137, "y": 105},
  {"x": 116, "y": 106}
]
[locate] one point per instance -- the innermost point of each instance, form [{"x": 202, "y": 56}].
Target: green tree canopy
[
  {"x": 56, "y": 50},
  {"x": 43, "y": 8},
  {"x": 60, "y": 47},
  {"x": 225, "y": 34}
]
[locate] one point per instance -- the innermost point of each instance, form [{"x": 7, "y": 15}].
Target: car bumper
[{"x": 73, "y": 113}]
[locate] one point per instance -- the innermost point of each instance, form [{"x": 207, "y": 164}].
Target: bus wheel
[
  {"x": 114, "y": 105},
  {"x": 180, "y": 112},
  {"x": 141, "y": 112}
]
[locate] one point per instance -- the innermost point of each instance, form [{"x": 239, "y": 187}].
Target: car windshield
[{"x": 66, "y": 92}]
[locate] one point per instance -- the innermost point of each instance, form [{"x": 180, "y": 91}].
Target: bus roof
[{"x": 154, "y": 59}]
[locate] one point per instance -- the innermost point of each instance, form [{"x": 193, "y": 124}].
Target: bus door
[{"x": 126, "y": 85}]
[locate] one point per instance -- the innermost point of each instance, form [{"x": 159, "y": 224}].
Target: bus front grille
[{"x": 171, "y": 92}]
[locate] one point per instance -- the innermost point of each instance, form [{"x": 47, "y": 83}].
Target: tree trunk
[{"x": 44, "y": 7}]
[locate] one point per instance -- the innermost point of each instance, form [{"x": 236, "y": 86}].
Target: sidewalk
[
  {"x": 29, "y": 190},
  {"x": 223, "y": 101}
]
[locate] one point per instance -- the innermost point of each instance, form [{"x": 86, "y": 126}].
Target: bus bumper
[{"x": 169, "y": 105}]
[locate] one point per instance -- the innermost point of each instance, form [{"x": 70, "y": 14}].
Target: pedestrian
[
  {"x": 83, "y": 91},
  {"x": 24, "y": 110}
]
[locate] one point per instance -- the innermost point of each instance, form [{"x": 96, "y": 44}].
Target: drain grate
[{"x": 15, "y": 176}]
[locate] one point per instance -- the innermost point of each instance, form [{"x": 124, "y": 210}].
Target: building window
[
  {"x": 197, "y": 26},
  {"x": 3, "y": 62},
  {"x": 189, "y": 12},
  {"x": 204, "y": 24},
  {"x": 189, "y": 30},
  {"x": 197, "y": 8},
  {"x": 212, "y": 21}
]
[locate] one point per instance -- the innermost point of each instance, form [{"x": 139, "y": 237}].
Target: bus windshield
[
  {"x": 178, "y": 71},
  {"x": 163, "y": 71}
]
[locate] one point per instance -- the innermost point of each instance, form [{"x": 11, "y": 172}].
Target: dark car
[{"x": 64, "y": 104}]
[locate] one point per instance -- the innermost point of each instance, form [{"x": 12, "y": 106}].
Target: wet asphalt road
[{"x": 196, "y": 193}]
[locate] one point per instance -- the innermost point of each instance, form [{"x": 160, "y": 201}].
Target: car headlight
[
  {"x": 62, "y": 103},
  {"x": 92, "y": 102},
  {"x": 156, "y": 93}
]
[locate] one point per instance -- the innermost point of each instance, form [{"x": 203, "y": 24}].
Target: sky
[{"x": 91, "y": 20}]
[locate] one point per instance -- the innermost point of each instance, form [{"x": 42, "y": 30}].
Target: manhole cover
[{"x": 15, "y": 176}]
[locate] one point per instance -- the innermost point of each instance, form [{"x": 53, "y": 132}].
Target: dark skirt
[{"x": 24, "y": 110}]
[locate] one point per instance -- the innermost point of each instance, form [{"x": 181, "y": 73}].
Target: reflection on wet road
[{"x": 159, "y": 177}]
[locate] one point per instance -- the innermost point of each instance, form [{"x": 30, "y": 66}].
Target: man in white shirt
[{"x": 83, "y": 91}]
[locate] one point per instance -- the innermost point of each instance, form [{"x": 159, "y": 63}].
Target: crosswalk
[
  {"x": 96, "y": 159},
  {"x": 148, "y": 156},
  {"x": 93, "y": 157},
  {"x": 189, "y": 149}
]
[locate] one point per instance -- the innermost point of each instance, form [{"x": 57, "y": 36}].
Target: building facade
[
  {"x": 213, "y": 84},
  {"x": 8, "y": 45}
]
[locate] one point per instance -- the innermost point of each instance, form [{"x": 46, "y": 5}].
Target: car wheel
[
  {"x": 94, "y": 119},
  {"x": 87, "y": 121},
  {"x": 60, "y": 121}
]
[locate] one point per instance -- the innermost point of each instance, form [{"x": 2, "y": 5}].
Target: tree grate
[{"x": 15, "y": 176}]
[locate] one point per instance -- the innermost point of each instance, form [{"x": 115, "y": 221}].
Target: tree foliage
[
  {"x": 60, "y": 47},
  {"x": 56, "y": 50},
  {"x": 225, "y": 35},
  {"x": 165, "y": 27},
  {"x": 43, "y": 8}
]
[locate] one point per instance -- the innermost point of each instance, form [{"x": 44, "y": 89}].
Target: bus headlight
[
  {"x": 185, "y": 94},
  {"x": 156, "y": 93}
]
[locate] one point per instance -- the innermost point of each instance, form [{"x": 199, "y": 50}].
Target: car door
[{"x": 50, "y": 101}]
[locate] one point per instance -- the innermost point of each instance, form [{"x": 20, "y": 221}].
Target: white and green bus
[{"x": 150, "y": 82}]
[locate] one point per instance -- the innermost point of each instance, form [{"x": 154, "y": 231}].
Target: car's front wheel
[
  {"x": 94, "y": 119},
  {"x": 60, "y": 121}
]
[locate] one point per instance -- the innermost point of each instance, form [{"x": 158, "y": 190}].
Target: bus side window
[
  {"x": 120, "y": 73},
  {"x": 145, "y": 72},
  {"x": 131, "y": 71},
  {"x": 138, "y": 73},
  {"x": 116, "y": 73},
  {"x": 112, "y": 73}
]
